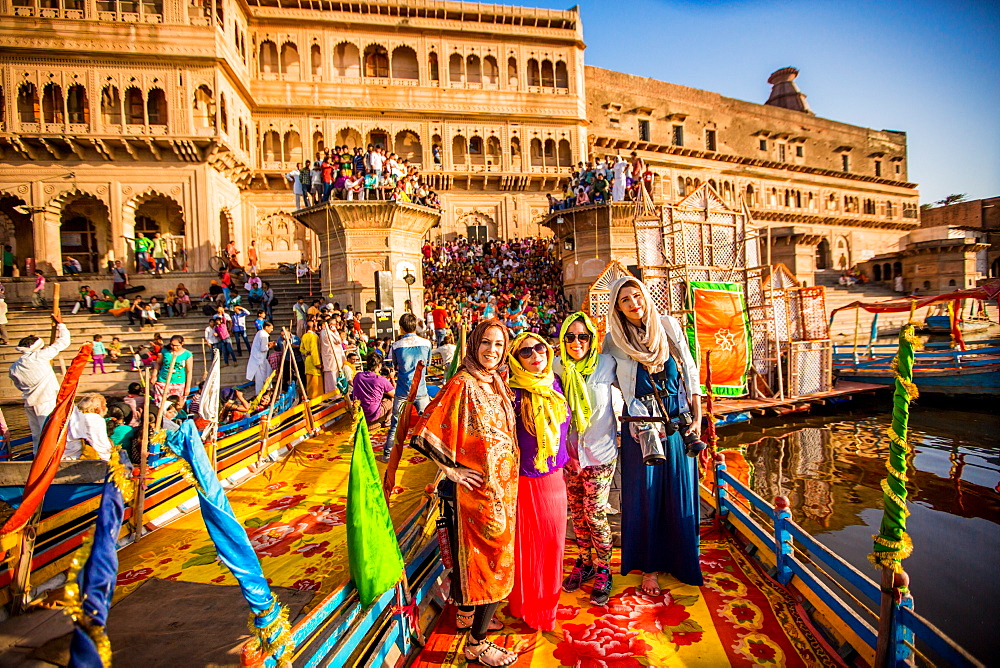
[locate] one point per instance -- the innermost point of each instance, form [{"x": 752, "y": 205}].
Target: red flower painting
[
  {"x": 600, "y": 645},
  {"x": 643, "y": 612},
  {"x": 133, "y": 576},
  {"x": 305, "y": 584},
  {"x": 276, "y": 538},
  {"x": 312, "y": 548},
  {"x": 285, "y": 502}
]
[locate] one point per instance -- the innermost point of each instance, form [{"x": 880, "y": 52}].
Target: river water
[{"x": 830, "y": 468}]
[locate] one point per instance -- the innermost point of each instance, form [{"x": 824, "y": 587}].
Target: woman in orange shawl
[{"x": 468, "y": 430}]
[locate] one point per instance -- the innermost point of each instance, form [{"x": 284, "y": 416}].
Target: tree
[{"x": 951, "y": 199}]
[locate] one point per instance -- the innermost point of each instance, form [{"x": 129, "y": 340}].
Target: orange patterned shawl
[{"x": 469, "y": 426}]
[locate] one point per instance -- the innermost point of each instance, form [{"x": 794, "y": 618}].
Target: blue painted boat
[{"x": 947, "y": 372}]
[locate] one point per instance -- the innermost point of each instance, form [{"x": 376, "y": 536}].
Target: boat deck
[
  {"x": 843, "y": 390},
  {"x": 295, "y": 515}
]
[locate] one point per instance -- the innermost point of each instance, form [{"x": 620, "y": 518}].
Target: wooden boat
[
  {"x": 950, "y": 372},
  {"x": 69, "y": 510},
  {"x": 941, "y": 324}
]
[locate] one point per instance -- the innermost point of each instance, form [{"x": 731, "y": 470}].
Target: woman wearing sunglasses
[
  {"x": 656, "y": 372},
  {"x": 542, "y": 425},
  {"x": 468, "y": 430},
  {"x": 587, "y": 377}
]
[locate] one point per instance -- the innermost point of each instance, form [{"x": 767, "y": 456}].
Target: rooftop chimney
[{"x": 784, "y": 92}]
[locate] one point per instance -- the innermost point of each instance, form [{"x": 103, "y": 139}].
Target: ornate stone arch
[
  {"x": 53, "y": 214},
  {"x": 133, "y": 204},
  {"x": 477, "y": 219}
]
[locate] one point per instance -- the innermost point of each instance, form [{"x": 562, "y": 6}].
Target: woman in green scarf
[{"x": 587, "y": 376}]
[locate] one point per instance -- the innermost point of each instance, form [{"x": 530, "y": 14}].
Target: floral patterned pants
[{"x": 587, "y": 489}]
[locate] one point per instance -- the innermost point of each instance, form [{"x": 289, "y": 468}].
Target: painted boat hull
[{"x": 983, "y": 380}]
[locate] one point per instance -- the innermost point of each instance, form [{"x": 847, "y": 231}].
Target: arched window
[
  {"x": 156, "y": 107},
  {"x": 456, "y": 66},
  {"x": 268, "y": 57},
  {"x": 77, "y": 106},
  {"x": 352, "y": 138},
  {"x": 680, "y": 186},
  {"x": 562, "y": 75},
  {"x": 204, "y": 107},
  {"x": 476, "y": 154},
  {"x": 798, "y": 199},
  {"x": 889, "y": 213},
  {"x": 432, "y": 62},
  {"x": 811, "y": 202},
  {"x": 52, "y": 104},
  {"x": 712, "y": 183},
  {"x": 877, "y": 273},
  {"x": 491, "y": 73},
  {"x": 318, "y": 145},
  {"x": 292, "y": 147},
  {"x": 772, "y": 197},
  {"x": 492, "y": 150},
  {"x": 135, "y": 111},
  {"x": 823, "y": 255},
  {"x": 788, "y": 197},
  {"x": 536, "y": 152},
  {"x": 346, "y": 60},
  {"x": 376, "y": 61},
  {"x": 27, "y": 103},
  {"x": 408, "y": 147},
  {"x": 751, "y": 197},
  {"x": 473, "y": 71},
  {"x": 512, "y": 72},
  {"x": 239, "y": 133},
  {"x": 515, "y": 152},
  {"x": 289, "y": 59},
  {"x": 316, "y": 60},
  {"x": 459, "y": 148},
  {"x": 111, "y": 106},
  {"x": 272, "y": 146},
  {"x": 565, "y": 153},
  {"x": 223, "y": 113},
  {"x": 534, "y": 79},
  {"x": 404, "y": 63},
  {"x": 548, "y": 74},
  {"x": 887, "y": 271}
]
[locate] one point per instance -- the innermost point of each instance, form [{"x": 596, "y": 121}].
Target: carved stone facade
[{"x": 185, "y": 117}]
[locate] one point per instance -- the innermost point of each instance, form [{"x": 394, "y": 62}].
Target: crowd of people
[
  {"x": 345, "y": 174},
  {"x": 602, "y": 182},
  {"x": 516, "y": 281}
]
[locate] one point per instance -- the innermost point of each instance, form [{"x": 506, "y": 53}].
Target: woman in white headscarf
[
  {"x": 618, "y": 187},
  {"x": 656, "y": 372}
]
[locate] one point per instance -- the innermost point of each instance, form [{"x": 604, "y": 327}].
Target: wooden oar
[{"x": 302, "y": 388}]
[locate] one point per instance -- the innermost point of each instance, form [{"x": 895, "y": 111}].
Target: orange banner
[{"x": 720, "y": 326}]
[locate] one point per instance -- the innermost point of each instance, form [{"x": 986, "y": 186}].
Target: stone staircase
[{"x": 83, "y": 325}]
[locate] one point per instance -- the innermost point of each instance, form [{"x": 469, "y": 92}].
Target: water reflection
[{"x": 830, "y": 468}]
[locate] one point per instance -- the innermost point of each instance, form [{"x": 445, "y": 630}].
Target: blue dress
[{"x": 660, "y": 505}]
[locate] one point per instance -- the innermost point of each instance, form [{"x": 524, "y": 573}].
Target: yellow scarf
[{"x": 544, "y": 409}]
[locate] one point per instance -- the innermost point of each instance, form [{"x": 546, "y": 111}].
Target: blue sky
[{"x": 930, "y": 69}]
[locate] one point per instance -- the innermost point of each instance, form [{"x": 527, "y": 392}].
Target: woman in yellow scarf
[
  {"x": 542, "y": 419},
  {"x": 587, "y": 377}
]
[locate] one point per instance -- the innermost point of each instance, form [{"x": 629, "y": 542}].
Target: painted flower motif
[
  {"x": 417, "y": 459},
  {"x": 397, "y": 490},
  {"x": 760, "y": 649},
  {"x": 299, "y": 486},
  {"x": 285, "y": 502},
  {"x": 276, "y": 485},
  {"x": 305, "y": 584},
  {"x": 275, "y": 539},
  {"x": 314, "y": 456},
  {"x": 599, "y": 645},
  {"x": 726, "y": 584},
  {"x": 324, "y": 517},
  {"x": 567, "y": 611},
  {"x": 219, "y": 579},
  {"x": 173, "y": 576},
  {"x": 743, "y": 613},
  {"x": 684, "y": 638},
  {"x": 133, "y": 576},
  {"x": 312, "y": 548},
  {"x": 642, "y": 612}
]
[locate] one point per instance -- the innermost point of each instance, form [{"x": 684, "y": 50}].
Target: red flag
[{"x": 51, "y": 445}]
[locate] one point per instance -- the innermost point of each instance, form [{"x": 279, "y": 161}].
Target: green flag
[
  {"x": 456, "y": 359},
  {"x": 372, "y": 549}
]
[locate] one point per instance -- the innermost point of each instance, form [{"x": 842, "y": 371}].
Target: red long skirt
[{"x": 539, "y": 541}]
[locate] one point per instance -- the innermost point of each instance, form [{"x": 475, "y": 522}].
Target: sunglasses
[
  {"x": 571, "y": 337},
  {"x": 528, "y": 351}
]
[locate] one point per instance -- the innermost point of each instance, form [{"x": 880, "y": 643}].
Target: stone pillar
[{"x": 356, "y": 239}]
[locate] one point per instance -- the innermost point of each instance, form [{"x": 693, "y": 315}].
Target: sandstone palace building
[{"x": 184, "y": 116}]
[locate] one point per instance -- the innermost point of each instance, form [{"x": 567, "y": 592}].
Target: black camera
[{"x": 692, "y": 444}]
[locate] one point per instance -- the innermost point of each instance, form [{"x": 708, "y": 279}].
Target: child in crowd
[
  {"x": 240, "y": 329},
  {"x": 142, "y": 357},
  {"x": 261, "y": 319},
  {"x": 115, "y": 349},
  {"x": 98, "y": 352}
]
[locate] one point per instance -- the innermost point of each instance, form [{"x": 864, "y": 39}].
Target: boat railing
[{"x": 847, "y": 601}]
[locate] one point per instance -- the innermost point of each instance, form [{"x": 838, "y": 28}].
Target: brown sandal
[
  {"x": 489, "y": 654},
  {"x": 463, "y": 621}
]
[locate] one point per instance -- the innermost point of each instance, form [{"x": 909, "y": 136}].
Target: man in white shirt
[
  {"x": 258, "y": 368},
  {"x": 32, "y": 374},
  {"x": 295, "y": 177}
]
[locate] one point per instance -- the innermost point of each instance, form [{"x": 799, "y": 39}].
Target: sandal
[
  {"x": 650, "y": 584},
  {"x": 488, "y": 654},
  {"x": 463, "y": 621}
]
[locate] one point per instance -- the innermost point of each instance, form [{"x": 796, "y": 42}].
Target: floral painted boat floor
[
  {"x": 295, "y": 515},
  {"x": 739, "y": 617}
]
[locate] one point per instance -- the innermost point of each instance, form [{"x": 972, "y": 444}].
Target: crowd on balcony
[
  {"x": 603, "y": 182},
  {"x": 354, "y": 175},
  {"x": 517, "y": 281}
]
